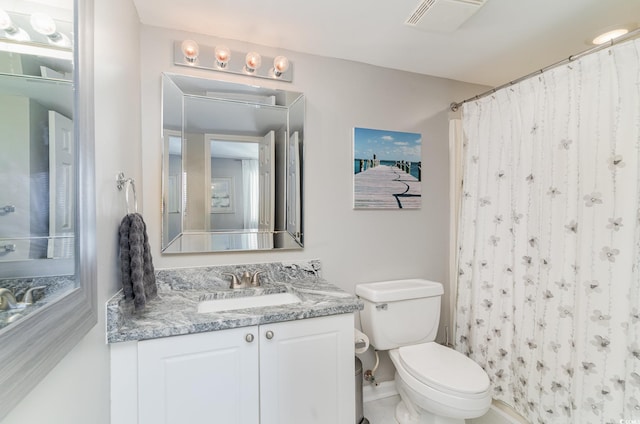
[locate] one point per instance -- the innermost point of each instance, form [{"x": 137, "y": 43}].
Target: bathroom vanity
[{"x": 189, "y": 359}]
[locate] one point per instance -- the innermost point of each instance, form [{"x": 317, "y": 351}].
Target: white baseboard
[{"x": 372, "y": 392}]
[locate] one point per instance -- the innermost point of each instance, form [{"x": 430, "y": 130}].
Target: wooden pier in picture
[{"x": 386, "y": 187}]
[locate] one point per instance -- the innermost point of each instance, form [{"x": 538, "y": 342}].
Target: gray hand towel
[{"x": 136, "y": 264}]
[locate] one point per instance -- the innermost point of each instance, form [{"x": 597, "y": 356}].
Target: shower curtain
[{"x": 549, "y": 240}]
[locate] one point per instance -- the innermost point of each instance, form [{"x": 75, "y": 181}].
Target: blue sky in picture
[{"x": 386, "y": 145}]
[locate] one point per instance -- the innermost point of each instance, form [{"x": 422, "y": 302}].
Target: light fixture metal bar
[{"x": 236, "y": 65}]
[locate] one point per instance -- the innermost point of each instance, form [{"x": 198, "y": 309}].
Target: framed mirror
[
  {"x": 47, "y": 255},
  {"x": 232, "y": 166}
]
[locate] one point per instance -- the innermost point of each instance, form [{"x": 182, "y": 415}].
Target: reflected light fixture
[
  {"x": 252, "y": 61},
  {"x": 45, "y": 25},
  {"x": 220, "y": 58},
  {"x": 280, "y": 65},
  {"x": 223, "y": 54},
  {"x": 190, "y": 50},
  {"x": 6, "y": 24},
  {"x": 609, "y": 35},
  {"x": 10, "y": 29}
]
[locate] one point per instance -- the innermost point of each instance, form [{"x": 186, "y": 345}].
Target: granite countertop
[
  {"x": 54, "y": 287},
  {"x": 174, "y": 311}
]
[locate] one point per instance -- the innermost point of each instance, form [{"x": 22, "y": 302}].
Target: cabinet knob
[
  {"x": 249, "y": 337},
  {"x": 269, "y": 334}
]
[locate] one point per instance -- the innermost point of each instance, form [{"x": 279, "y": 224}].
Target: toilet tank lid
[{"x": 389, "y": 291}]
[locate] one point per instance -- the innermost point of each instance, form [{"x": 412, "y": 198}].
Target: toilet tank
[{"x": 401, "y": 312}]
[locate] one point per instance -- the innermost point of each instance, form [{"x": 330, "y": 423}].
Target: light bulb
[
  {"x": 252, "y": 61},
  {"x": 191, "y": 50},
  {"x": 280, "y": 65},
  {"x": 6, "y": 23},
  {"x": 43, "y": 24},
  {"x": 223, "y": 54},
  {"x": 10, "y": 30}
]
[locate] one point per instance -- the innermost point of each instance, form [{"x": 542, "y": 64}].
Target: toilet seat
[{"x": 444, "y": 369}]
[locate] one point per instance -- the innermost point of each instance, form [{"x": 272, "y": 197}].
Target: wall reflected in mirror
[
  {"x": 37, "y": 164},
  {"x": 232, "y": 171}
]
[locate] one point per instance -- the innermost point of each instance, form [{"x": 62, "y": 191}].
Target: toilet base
[{"x": 404, "y": 416}]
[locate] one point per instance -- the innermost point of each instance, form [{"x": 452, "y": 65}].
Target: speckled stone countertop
[
  {"x": 54, "y": 288},
  {"x": 174, "y": 311}
]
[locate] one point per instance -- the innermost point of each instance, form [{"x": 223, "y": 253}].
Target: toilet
[{"x": 437, "y": 385}]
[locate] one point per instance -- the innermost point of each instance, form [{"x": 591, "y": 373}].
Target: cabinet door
[
  {"x": 199, "y": 378},
  {"x": 307, "y": 371}
]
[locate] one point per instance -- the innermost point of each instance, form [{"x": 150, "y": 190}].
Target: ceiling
[{"x": 504, "y": 40}]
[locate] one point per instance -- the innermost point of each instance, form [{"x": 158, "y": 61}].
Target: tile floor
[{"x": 381, "y": 411}]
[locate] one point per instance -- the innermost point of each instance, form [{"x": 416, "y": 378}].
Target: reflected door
[
  {"x": 22, "y": 171},
  {"x": 293, "y": 186},
  {"x": 267, "y": 182},
  {"x": 61, "y": 185}
]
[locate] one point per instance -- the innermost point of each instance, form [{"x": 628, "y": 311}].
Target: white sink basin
[{"x": 233, "y": 303}]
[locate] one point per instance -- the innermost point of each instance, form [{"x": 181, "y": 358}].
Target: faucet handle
[
  {"x": 7, "y": 300},
  {"x": 234, "y": 280},
  {"x": 27, "y": 299},
  {"x": 254, "y": 280}
]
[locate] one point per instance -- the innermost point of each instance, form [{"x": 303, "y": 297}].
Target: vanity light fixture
[
  {"x": 280, "y": 65},
  {"x": 221, "y": 58},
  {"x": 45, "y": 25},
  {"x": 6, "y": 24},
  {"x": 252, "y": 61},
  {"x": 223, "y": 54},
  {"x": 10, "y": 29},
  {"x": 190, "y": 50}
]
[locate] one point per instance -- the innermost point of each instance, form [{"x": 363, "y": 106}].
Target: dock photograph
[{"x": 387, "y": 169}]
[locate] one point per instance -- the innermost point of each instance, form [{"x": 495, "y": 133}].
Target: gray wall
[{"x": 229, "y": 168}]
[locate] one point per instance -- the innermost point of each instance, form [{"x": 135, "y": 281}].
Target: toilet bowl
[
  {"x": 437, "y": 385},
  {"x": 441, "y": 381}
]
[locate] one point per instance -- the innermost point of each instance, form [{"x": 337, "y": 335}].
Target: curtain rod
[{"x": 632, "y": 34}]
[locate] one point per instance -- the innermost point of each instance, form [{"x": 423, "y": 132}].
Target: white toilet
[{"x": 437, "y": 385}]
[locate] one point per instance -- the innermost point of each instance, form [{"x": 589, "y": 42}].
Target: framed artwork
[
  {"x": 222, "y": 199},
  {"x": 387, "y": 171}
]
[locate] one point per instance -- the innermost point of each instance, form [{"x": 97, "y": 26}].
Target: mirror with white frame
[
  {"x": 232, "y": 166},
  {"x": 47, "y": 265}
]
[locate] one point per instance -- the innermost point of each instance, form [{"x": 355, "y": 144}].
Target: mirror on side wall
[
  {"x": 37, "y": 163},
  {"x": 46, "y": 275},
  {"x": 232, "y": 167}
]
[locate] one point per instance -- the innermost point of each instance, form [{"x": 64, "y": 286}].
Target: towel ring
[{"x": 126, "y": 183}]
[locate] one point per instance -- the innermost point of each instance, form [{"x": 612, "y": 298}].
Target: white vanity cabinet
[
  {"x": 283, "y": 373},
  {"x": 195, "y": 378},
  {"x": 307, "y": 371}
]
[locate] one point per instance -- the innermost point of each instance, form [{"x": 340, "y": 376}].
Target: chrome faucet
[
  {"x": 8, "y": 299},
  {"x": 255, "y": 282},
  {"x": 245, "y": 280},
  {"x": 27, "y": 299}
]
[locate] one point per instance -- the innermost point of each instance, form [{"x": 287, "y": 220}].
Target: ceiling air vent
[{"x": 443, "y": 15}]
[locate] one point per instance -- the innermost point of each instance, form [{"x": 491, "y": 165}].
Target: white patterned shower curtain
[{"x": 549, "y": 241}]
